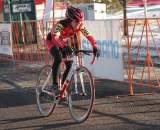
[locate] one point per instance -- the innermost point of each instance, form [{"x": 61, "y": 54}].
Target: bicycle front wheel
[
  {"x": 44, "y": 102},
  {"x": 81, "y": 94}
]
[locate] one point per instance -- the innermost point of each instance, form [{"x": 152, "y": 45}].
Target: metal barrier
[
  {"x": 141, "y": 53},
  {"x": 28, "y": 41}
]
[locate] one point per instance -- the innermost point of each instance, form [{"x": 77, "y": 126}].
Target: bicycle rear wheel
[
  {"x": 44, "y": 101},
  {"x": 81, "y": 94}
]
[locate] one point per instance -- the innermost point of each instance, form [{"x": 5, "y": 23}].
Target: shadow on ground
[{"x": 104, "y": 88}]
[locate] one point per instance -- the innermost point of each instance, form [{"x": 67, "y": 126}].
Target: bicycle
[{"x": 78, "y": 89}]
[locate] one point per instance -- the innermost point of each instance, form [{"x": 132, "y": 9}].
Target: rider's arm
[
  {"x": 88, "y": 35},
  {"x": 56, "y": 32},
  {"x": 53, "y": 37},
  {"x": 57, "y": 29},
  {"x": 56, "y": 35}
]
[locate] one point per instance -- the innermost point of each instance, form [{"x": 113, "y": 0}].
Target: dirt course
[{"x": 113, "y": 108}]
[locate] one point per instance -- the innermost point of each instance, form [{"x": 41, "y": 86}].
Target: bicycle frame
[
  {"x": 75, "y": 64},
  {"x": 65, "y": 85}
]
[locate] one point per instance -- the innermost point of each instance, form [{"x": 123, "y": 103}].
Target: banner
[
  {"x": 18, "y": 8},
  {"x": 21, "y": 10},
  {"x": 5, "y": 39},
  {"x": 107, "y": 34}
]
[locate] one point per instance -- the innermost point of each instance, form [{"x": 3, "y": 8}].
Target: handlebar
[{"x": 87, "y": 52}]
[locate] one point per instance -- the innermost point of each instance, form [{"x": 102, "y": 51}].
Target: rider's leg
[
  {"x": 68, "y": 67},
  {"x": 56, "y": 53}
]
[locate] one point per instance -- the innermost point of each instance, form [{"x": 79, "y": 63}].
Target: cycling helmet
[{"x": 74, "y": 13}]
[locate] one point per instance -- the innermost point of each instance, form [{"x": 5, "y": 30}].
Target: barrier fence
[
  {"x": 28, "y": 42},
  {"x": 141, "y": 48},
  {"x": 141, "y": 52}
]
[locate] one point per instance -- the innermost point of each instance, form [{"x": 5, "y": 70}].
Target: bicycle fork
[{"x": 81, "y": 81}]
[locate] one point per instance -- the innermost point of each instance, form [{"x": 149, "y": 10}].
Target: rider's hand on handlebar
[{"x": 96, "y": 52}]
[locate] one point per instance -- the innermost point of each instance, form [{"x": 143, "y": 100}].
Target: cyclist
[{"x": 57, "y": 43}]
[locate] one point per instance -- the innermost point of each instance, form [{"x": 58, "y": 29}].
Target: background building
[
  {"x": 93, "y": 11},
  {"x": 45, "y": 10}
]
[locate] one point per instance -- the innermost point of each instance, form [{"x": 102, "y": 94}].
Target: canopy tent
[{"x": 141, "y": 2}]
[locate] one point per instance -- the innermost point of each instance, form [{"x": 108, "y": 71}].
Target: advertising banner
[
  {"x": 107, "y": 34},
  {"x": 5, "y": 39},
  {"x": 21, "y": 8}
]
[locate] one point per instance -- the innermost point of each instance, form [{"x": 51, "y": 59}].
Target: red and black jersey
[{"x": 64, "y": 30}]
